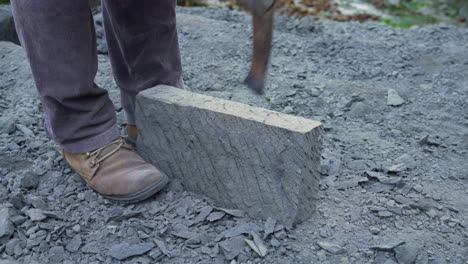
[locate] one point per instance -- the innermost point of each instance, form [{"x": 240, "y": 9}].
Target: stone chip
[{"x": 125, "y": 250}]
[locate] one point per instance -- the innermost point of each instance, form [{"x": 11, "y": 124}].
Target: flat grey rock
[
  {"x": 331, "y": 247},
  {"x": 393, "y": 98},
  {"x": 36, "y": 215},
  {"x": 215, "y": 216},
  {"x": 91, "y": 248},
  {"x": 162, "y": 246},
  {"x": 205, "y": 211},
  {"x": 6, "y": 226},
  {"x": 269, "y": 227},
  {"x": 125, "y": 250},
  {"x": 245, "y": 228},
  {"x": 260, "y": 161},
  {"x": 387, "y": 246},
  {"x": 74, "y": 244},
  {"x": 406, "y": 254},
  {"x": 7, "y": 124},
  {"x": 232, "y": 247},
  {"x": 57, "y": 254},
  {"x": 29, "y": 180}
]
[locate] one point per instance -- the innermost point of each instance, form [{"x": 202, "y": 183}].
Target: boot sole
[{"x": 140, "y": 195}]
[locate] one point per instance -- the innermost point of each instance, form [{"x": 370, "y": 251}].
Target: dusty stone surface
[
  {"x": 263, "y": 162},
  {"x": 336, "y": 73}
]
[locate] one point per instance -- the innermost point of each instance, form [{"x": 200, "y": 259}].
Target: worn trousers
[{"x": 60, "y": 43}]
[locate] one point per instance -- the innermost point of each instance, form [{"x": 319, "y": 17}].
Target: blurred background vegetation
[{"x": 395, "y": 13}]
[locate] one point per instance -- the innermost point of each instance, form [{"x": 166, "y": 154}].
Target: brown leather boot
[
  {"x": 132, "y": 132},
  {"x": 117, "y": 172}
]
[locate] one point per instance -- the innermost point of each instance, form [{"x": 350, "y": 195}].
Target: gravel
[{"x": 336, "y": 73}]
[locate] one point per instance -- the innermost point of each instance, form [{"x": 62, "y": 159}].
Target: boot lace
[{"x": 95, "y": 154}]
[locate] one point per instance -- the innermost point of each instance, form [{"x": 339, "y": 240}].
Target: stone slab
[{"x": 260, "y": 161}]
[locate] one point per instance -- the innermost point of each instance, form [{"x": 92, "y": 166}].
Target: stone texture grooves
[{"x": 263, "y": 162}]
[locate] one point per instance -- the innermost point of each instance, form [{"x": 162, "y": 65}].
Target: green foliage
[
  {"x": 4, "y": 2},
  {"x": 192, "y": 3},
  {"x": 415, "y": 12},
  {"x": 408, "y": 21}
]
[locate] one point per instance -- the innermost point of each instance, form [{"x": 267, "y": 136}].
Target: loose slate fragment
[
  {"x": 36, "y": 215},
  {"x": 388, "y": 247},
  {"x": 277, "y": 159},
  {"x": 202, "y": 215},
  {"x": 233, "y": 212},
  {"x": 197, "y": 239},
  {"x": 384, "y": 214},
  {"x": 423, "y": 204},
  {"x": 74, "y": 244},
  {"x": 389, "y": 261},
  {"x": 162, "y": 246},
  {"x": 384, "y": 179},
  {"x": 205, "y": 250},
  {"x": 253, "y": 246},
  {"x": 155, "y": 253},
  {"x": 184, "y": 234},
  {"x": 51, "y": 214},
  {"x": 215, "y": 251},
  {"x": 274, "y": 242},
  {"x": 260, "y": 244},
  {"x": 269, "y": 227},
  {"x": 393, "y": 98},
  {"x": 406, "y": 254},
  {"x": 6, "y": 226},
  {"x": 397, "y": 168},
  {"x": 331, "y": 247},
  {"x": 245, "y": 228},
  {"x": 29, "y": 180},
  {"x": 215, "y": 216},
  {"x": 232, "y": 247},
  {"x": 91, "y": 247},
  {"x": 125, "y": 250}
]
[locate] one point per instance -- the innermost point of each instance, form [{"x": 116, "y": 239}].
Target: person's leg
[
  {"x": 58, "y": 37},
  {"x": 143, "y": 46}
]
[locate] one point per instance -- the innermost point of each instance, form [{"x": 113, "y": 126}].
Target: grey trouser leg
[
  {"x": 143, "y": 46},
  {"x": 58, "y": 37}
]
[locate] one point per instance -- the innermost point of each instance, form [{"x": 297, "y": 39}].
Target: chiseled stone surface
[{"x": 263, "y": 162}]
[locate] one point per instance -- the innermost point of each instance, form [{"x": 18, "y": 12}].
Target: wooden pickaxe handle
[{"x": 262, "y": 12}]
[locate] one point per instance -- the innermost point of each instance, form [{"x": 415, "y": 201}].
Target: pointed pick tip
[{"x": 255, "y": 84}]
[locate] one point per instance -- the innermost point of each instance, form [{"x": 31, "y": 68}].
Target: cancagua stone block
[{"x": 260, "y": 161}]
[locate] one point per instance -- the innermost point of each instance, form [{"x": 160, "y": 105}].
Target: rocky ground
[{"x": 394, "y": 104}]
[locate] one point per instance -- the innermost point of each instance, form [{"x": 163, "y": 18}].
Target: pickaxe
[{"x": 262, "y": 12}]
